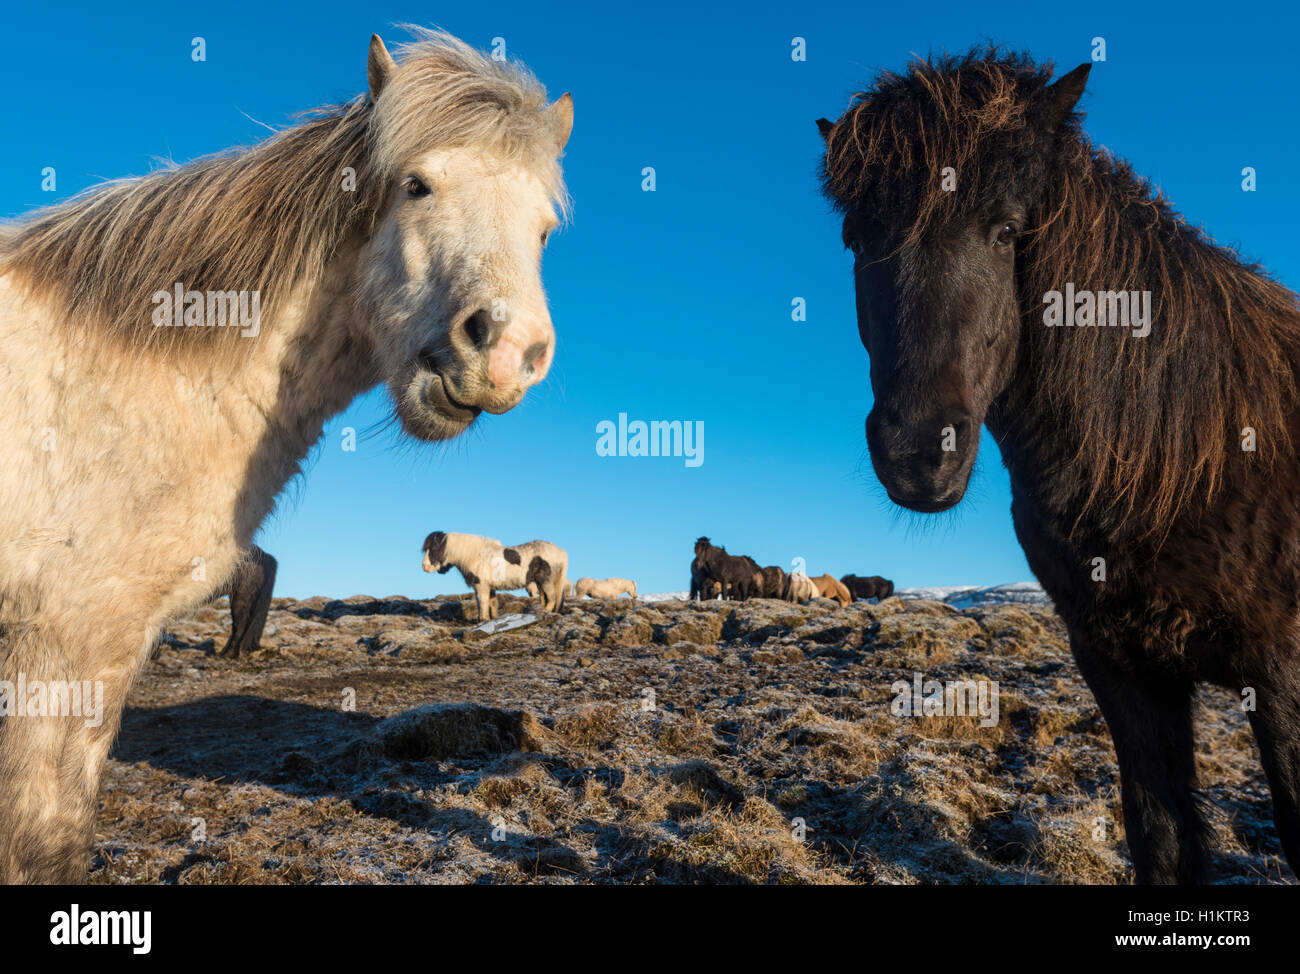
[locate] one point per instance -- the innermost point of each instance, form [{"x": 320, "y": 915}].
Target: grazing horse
[
  {"x": 1147, "y": 424},
  {"x": 487, "y": 565},
  {"x": 734, "y": 572},
  {"x": 606, "y": 588},
  {"x": 698, "y": 580},
  {"x": 770, "y": 582},
  {"x": 799, "y": 588},
  {"x": 870, "y": 587},
  {"x": 829, "y": 587},
  {"x": 158, "y": 333}
]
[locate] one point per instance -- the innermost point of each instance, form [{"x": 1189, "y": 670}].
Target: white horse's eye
[
  {"x": 416, "y": 187},
  {"x": 546, "y": 235}
]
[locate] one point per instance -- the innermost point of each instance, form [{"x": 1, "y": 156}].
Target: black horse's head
[{"x": 939, "y": 174}]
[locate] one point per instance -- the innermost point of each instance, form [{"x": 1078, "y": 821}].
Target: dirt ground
[{"x": 380, "y": 741}]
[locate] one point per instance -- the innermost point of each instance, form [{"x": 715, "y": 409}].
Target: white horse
[
  {"x": 604, "y": 588},
  {"x": 171, "y": 347},
  {"x": 800, "y": 588},
  {"x": 488, "y": 566}
]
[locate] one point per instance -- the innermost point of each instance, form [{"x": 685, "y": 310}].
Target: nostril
[
  {"x": 535, "y": 357},
  {"x": 882, "y": 429},
  {"x": 478, "y": 329}
]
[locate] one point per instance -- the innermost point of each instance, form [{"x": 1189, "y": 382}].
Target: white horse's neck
[
  {"x": 307, "y": 367},
  {"x": 160, "y": 466}
]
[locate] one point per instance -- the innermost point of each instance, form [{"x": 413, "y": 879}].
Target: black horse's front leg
[
  {"x": 1276, "y": 723},
  {"x": 250, "y": 601},
  {"x": 1149, "y": 713}
]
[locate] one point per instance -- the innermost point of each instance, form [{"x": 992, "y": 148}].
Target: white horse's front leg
[{"x": 51, "y": 761}]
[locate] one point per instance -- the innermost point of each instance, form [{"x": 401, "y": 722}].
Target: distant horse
[
  {"x": 1147, "y": 422},
  {"x": 703, "y": 586},
  {"x": 829, "y": 587},
  {"x": 734, "y": 572},
  {"x": 871, "y": 587},
  {"x": 487, "y": 566},
  {"x": 604, "y": 588},
  {"x": 770, "y": 582},
  {"x": 173, "y": 345},
  {"x": 799, "y": 588}
]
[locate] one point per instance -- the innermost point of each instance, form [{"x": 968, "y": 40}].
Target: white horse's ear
[
  {"x": 562, "y": 112},
  {"x": 379, "y": 65}
]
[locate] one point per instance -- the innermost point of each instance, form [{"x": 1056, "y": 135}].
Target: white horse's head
[{"x": 450, "y": 288}]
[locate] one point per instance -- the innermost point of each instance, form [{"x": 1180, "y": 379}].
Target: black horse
[
  {"x": 772, "y": 585},
  {"x": 250, "y": 591},
  {"x": 1140, "y": 381},
  {"x": 868, "y": 587},
  {"x": 735, "y": 573}
]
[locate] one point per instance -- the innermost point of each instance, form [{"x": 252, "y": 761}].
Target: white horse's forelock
[{"x": 467, "y": 98}]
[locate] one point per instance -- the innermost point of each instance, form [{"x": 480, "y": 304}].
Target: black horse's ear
[
  {"x": 1065, "y": 93},
  {"x": 825, "y": 126}
]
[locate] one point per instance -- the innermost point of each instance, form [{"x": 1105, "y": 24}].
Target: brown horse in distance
[{"x": 831, "y": 588}]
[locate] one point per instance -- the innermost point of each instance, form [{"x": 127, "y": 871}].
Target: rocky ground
[{"x": 384, "y": 741}]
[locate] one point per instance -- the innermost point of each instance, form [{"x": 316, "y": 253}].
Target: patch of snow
[
  {"x": 935, "y": 593},
  {"x": 958, "y": 596},
  {"x": 965, "y": 596},
  {"x": 514, "y": 620}
]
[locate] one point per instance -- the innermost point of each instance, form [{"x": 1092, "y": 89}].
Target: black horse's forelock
[{"x": 973, "y": 113}]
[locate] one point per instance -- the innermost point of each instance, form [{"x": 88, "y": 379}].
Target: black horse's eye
[
  {"x": 1007, "y": 234},
  {"x": 416, "y": 187}
]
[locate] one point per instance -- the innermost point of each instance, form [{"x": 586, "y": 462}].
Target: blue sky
[{"x": 673, "y": 304}]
